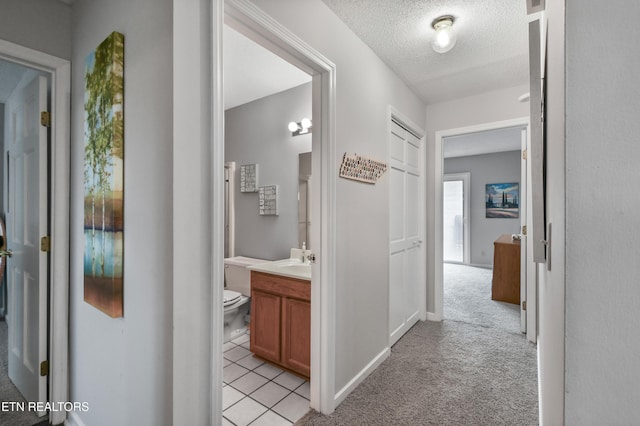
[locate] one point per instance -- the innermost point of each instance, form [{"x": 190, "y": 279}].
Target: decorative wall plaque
[
  {"x": 249, "y": 178},
  {"x": 363, "y": 169},
  {"x": 268, "y": 198}
]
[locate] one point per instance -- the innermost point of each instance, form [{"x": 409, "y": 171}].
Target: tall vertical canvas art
[{"x": 103, "y": 176}]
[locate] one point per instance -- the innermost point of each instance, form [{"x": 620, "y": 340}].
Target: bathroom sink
[
  {"x": 304, "y": 268},
  {"x": 292, "y": 268}
]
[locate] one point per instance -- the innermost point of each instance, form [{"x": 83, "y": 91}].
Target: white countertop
[{"x": 292, "y": 268}]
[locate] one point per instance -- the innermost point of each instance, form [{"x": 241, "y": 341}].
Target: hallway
[{"x": 474, "y": 368}]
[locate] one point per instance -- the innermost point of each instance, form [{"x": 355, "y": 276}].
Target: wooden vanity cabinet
[{"x": 281, "y": 321}]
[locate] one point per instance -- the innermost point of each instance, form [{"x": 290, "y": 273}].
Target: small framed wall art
[
  {"x": 249, "y": 178},
  {"x": 268, "y": 199}
]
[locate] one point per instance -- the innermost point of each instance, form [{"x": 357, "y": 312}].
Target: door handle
[{"x": 6, "y": 253}]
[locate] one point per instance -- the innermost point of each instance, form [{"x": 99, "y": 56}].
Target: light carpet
[{"x": 467, "y": 370}]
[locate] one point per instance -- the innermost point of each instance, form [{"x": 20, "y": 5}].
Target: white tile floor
[{"x": 258, "y": 393}]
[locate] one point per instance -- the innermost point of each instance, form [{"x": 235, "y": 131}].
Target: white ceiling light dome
[{"x": 445, "y": 38}]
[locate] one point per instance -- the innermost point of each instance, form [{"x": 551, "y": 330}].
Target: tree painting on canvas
[
  {"x": 502, "y": 200},
  {"x": 103, "y": 176}
]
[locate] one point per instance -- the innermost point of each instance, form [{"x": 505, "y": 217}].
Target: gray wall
[
  {"x": 42, "y": 25},
  {"x": 602, "y": 205},
  {"x": 256, "y": 133},
  {"x": 365, "y": 89},
  {"x": 501, "y": 167},
  {"x": 122, "y": 367}
]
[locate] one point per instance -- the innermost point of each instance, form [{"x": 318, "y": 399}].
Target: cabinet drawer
[{"x": 279, "y": 285}]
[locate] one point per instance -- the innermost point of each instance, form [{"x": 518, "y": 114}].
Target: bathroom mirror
[{"x": 304, "y": 199}]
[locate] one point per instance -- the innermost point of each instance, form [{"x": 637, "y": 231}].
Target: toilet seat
[{"x": 230, "y": 297}]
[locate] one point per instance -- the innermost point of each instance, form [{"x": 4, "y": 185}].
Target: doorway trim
[
  {"x": 440, "y": 135},
  {"x": 252, "y": 22},
  {"x": 60, "y": 71}
]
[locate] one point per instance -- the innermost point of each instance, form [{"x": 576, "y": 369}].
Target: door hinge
[
  {"x": 524, "y": 305},
  {"x": 45, "y": 119},
  {"x": 44, "y": 368},
  {"x": 45, "y": 243},
  {"x": 524, "y": 154},
  {"x": 524, "y": 230}
]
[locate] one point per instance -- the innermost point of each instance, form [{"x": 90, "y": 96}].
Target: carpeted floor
[
  {"x": 467, "y": 298},
  {"x": 471, "y": 369},
  {"x": 8, "y": 392}
]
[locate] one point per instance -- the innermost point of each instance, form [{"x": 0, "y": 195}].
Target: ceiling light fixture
[
  {"x": 301, "y": 128},
  {"x": 445, "y": 35}
]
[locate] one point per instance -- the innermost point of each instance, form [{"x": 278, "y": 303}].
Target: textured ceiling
[{"x": 490, "y": 54}]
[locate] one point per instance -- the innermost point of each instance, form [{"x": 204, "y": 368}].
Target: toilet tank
[{"x": 236, "y": 275}]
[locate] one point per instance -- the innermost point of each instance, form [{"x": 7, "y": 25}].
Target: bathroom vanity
[{"x": 281, "y": 319}]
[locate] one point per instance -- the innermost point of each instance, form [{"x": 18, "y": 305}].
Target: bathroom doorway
[
  {"x": 262, "y": 224},
  {"x": 262, "y": 29}
]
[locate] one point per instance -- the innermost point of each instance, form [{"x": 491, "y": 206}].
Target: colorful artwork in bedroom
[
  {"x": 502, "y": 200},
  {"x": 103, "y": 176}
]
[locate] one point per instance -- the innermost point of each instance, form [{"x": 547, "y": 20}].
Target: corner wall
[
  {"x": 123, "y": 367},
  {"x": 365, "y": 89},
  {"x": 602, "y": 221},
  {"x": 256, "y": 133},
  {"x": 42, "y": 25},
  {"x": 488, "y": 107}
]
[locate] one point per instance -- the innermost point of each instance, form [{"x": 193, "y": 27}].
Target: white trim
[
  {"x": 438, "y": 170},
  {"x": 217, "y": 164},
  {"x": 60, "y": 70},
  {"x": 363, "y": 374},
  {"x": 248, "y": 19},
  {"x": 74, "y": 420},
  {"x": 465, "y": 177}
]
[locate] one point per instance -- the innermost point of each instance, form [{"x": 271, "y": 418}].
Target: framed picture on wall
[{"x": 502, "y": 200}]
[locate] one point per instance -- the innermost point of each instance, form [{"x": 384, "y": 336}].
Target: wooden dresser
[{"x": 506, "y": 270}]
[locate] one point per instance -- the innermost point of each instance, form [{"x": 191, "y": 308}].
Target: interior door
[
  {"x": 27, "y": 217},
  {"x": 406, "y": 249}
]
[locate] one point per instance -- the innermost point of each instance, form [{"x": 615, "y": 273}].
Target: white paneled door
[
  {"x": 27, "y": 217},
  {"x": 407, "y": 259}
]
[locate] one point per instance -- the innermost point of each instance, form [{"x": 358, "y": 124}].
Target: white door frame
[
  {"x": 60, "y": 71},
  {"x": 437, "y": 315},
  {"x": 251, "y": 21},
  {"x": 465, "y": 177}
]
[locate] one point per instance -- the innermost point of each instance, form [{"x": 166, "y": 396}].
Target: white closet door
[{"x": 407, "y": 259}]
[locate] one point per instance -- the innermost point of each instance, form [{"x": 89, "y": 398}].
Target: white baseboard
[
  {"x": 363, "y": 374},
  {"x": 73, "y": 419},
  {"x": 431, "y": 316},
  {"x": 477, "y": 265}
]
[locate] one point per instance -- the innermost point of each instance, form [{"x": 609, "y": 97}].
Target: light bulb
[
  {"x": 445, "y": 35},
  {"x": 293, "y": 126},
  {"x": 305, "y": 123}
]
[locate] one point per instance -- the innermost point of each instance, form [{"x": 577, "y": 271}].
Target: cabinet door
[
  {"x": 265, "y": 325},
  {"x": 296, "y": 335}
]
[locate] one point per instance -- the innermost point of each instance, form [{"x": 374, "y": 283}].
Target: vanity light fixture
[
  {"x": 301, "y": 128},
  {"x": 445, "y": 35}
]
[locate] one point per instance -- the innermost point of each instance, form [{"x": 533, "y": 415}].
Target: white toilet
[{"x": 237, "y": 292}]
